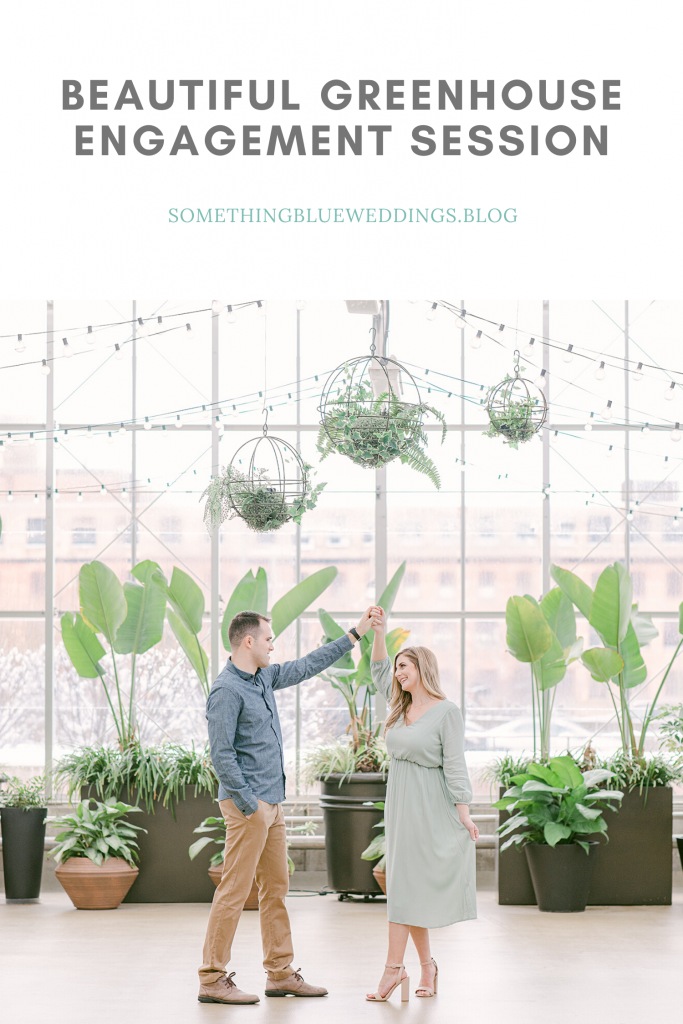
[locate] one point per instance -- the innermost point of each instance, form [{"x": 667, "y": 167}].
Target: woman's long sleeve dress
[{"x": 431, "y": 859}]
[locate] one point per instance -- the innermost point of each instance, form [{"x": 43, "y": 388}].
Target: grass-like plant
[
  {"x": 556, "y": 803},
  {"x": 98, "y": 834},
  {"x": 217, "y": 828},
  {"x": 500, "y": 770},
  {"x": 26, "y": 795},
  {"x": 146, "y": 773},
  {"x": 374, "y": 431},
  {"x": 257, "y": 499},
  {"x": 343, "y": 760}
]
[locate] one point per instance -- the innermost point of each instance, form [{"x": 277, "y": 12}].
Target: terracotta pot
[
  {"x": 381, "y": 879},
  {"x": 251, "y": 902},
  {"x": 90, "y": 887}
]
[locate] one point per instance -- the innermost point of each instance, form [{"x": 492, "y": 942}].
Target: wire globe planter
[
  {"x": 517, "y": 409},
  {"x": 267, "y": 484},
  {"x": 372, "y": 412}
]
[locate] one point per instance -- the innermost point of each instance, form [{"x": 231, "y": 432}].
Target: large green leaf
[
  {"x": 559, "y": 614},
  {"x": 610, "y": 611},
  {"x": 552, "y": 832},
  {"x": 333, "y": 631},
  {"x": 603, "y": 663},
  {"x": 82, "y": 646},
  {"x": 250, "y": 594},
  {"x": 389, "y": 593},
  {"x": 635, "y": 670},
  {"x": 565, "y": 767},
  {"x": 102, "y": 600},
  {"x": 552, "y": 666},
  {"x": 644, "y": 627},
  {"x": 143, "y": 625},
  {"x": 300, "y": 597},
  {"x": 528, "y": 634},
  {"x": 578, "y": 592},
  {"x": 184, "y": 596},
  {"x": 680, "y": 618},
  {"x": 188, "y": 641}
]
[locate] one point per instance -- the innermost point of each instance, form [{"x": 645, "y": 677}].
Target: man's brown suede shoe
[
  {"x": 224, "y": 991},
  {"x": 294, "y": 985}
]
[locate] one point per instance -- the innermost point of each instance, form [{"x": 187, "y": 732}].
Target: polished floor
[{"x": 137, "y": 964}]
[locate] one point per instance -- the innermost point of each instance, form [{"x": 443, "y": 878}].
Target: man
[{"x": 246, "y": 750}]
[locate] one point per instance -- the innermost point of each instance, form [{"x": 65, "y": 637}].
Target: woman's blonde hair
[{"x": 427, "y": 667}]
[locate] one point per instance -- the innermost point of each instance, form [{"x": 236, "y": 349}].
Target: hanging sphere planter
[
  {"x": 267, "y": 484},
  {"x": 371, "y": 411},
  {"x": 517, "y": 409}
]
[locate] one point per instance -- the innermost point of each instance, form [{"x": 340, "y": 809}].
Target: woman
[{"x": 430, "y": 861}]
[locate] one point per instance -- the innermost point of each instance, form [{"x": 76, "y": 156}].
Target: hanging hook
[
  {"x": 373, "y": 331},
  {"x": 517, "y": 358},
  {"x": 264, "y": 412}
]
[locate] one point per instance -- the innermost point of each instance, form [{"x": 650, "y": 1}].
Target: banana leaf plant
[
  {"x": 624, "y": 630},
  {"x": 184, "y": 603},
  {"x": 130, "y": 618},
  {"x": 354, "y": 681},
  {"x": 251, "y": 594},
  {"x": 544, "y": 637}
]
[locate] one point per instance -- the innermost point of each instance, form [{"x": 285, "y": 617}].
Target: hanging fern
[
  {"x": 262, "y": 506},
  {"x": 374, "y": 431}
]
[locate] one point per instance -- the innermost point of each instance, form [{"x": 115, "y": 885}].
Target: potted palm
[
  {"x": 559, "y": 810},
  {"x": 22, "y": 815},
  {"x": 95, "y": 852}
]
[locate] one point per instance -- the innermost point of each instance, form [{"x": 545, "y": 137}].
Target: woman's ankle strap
[
  {"x": 424, "y": 963},
  {"x": 395, "y": 966}
]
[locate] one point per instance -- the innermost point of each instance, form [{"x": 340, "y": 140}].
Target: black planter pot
[
  {"x": 167, "y": 875},
  {"x": 679, "y": 844},
  {"x": 349, "y": 830},
  {"x": 561, "y": 876},
  {"x": 634, "y": 867},
  {"x": 23, "y": 851}
]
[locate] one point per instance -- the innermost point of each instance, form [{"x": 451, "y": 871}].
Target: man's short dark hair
[{"x": 244, "y": 624}]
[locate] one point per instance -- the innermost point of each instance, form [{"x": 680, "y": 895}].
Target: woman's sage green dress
[{"x": 431, "y": 859}]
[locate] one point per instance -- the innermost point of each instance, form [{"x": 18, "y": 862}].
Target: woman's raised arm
[{"x": 378, "y": 622}]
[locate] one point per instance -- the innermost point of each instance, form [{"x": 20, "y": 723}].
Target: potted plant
[
  {"x": 671, "y": 731},
  {"x": 377, "y": 850},
  {"x": 95, "y": 852},
  {"x": 217, "y": 825},
  {"x": 22, "y": 816},
  {"x": 515, "y": 414},
  {"x": 261, "y": 502},
  {"x": 373, "y": 431},
  {"x": 558, "y": 810}
]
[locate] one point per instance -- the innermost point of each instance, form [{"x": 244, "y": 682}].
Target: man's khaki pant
[{"x": 256, "y": 847}]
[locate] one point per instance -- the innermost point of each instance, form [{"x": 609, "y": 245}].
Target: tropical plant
[
  {"x": 630, "y": 773},
  {"x": 377, "y": 850},
  {"x": 374, "y": 431},
  {"x": 624, "y": 631},
  {"x": 131, "y": 620},
  {"x": 184, "y": 604},
  {"x": 671, "y": 730},
  {"x": 23, "y": 794},
  {"x": 513, "y": 413},
  {"x": 544, "y": 637},
  {"x": 98, "y": 834},
  {"x": 257, "y": 499},
  {"x": 251, "y": 594},
  {"x": 556, "y": 804},
  {"x": 354, "y": 681},
  {"x": 146, "y": 773},
  {"x": 217, "y": 825}
]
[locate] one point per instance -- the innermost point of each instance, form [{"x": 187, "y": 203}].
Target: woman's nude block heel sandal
[
  {"x": 423, "y": 992},
  {"x": 403, "y": 982}
]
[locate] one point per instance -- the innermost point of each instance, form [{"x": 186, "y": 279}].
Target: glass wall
[{"x": 141, "y": 415}]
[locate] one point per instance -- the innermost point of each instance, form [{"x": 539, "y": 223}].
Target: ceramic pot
[
  {"x": 93, "y": 887},
  {"x": 561, "y": 875},
  {"x": 251, "y": 902}
]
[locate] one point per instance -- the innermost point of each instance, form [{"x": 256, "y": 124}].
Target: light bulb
[
  {"x": 122, "y": 430},
  {"x": 110, "y": 438},
  {"x": 67, "y": 350},
  {"x": 589, "y": 423},
  {"x": 567, "y": 356},
  {"x": 461, "y": 467},
  {"x": 45, "y": 369},
  {"x": 529, "y": 349},
  {"x": 646, "y": 429},
  {"x": 206, "y": 414},
  {"x": 600, "y": 372},
  {"x": 554, "y": 437},
  {"x": 675, "y": 434},
  {"x": 610, "y": 452},
  {"x": 261, "y": 307},
  {"x": 217, "y": 306},
  {"x": 541, "y": 380},
  {"x": 216, "y": 422},
  {"x": 637, "y": 375},
  {"x": 300, "y": 303},
  {"x": 607, "y": 411},
  {"x": 147, "y": 425},
  {"x": 56, "y": 494},
  {"x": 670, "y": 392},
  {"x": 20, "y": 345},
  {"x": 118, "y": 352},
  {"x": 234, "y": 414},
  {"x": 90, "y": 337},
  {"x": 231, "y": 315},
  {"x": 102, "y": 491},
  {"x": 90, "y": 433},
  {"x": 475, "y": 342},
  {"x": 31, "y": 439},
  {"x": 431, "y": 312},
  {"x": 142, "y": 328},
  {"x": 676, "y": 522},
  {"x": 629, "y": 516},
  {"x": 80, "y": 496},
  {"x": 178, "y": 422},
  {"x": 189, "y": 333},
  {"x": 10, "y": 496}
]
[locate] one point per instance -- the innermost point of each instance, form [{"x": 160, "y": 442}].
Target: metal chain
[
  {"x": 517, "y": 358},
  {"x": 373, "y": 331}
]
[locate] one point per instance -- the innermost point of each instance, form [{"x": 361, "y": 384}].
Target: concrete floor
[{"x": 138, "y": 964}]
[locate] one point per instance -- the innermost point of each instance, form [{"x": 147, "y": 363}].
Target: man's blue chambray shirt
[{"x": 244, "y": 728}]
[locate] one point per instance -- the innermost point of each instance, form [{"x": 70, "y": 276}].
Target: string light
[
  {"x": 629, "y": 516},
  {"x": 300, "y": 304},
  {"x": 206, "y": 414},
  {"x": 21, "y": 344},
  {"x": 610, "y": 452},
  {"x": 142, "y": 328},
  {"x": 110, "y": 438},
  {"x": 189, "y": 333},
  {"x": 475, "y": 342},
  {"x": 90, "y": 338},
  {"x": 90, "y": 433},
  {"x": 637, "y": 374},
  {"x": 234, "y": 413},
  {"x": 589, "y": 423},
  {"x": 607, "y": 411},
  {"x": 675, "y": 434},
  {"x": 567, "y": 356},
  {"x": 431, "y": 312},
  {"x": 67, "y": 350},
  {"x": 669, "y": 393},
  {"x": 541, "y": 380},
  {"x": 178, "y": 422},
  {"x": 554, "y": 437},
  {"x": 147, "y": 424},
  {"x": 56, "y": 494},
  {"x": 45, "y": 369},
  {"x": 80, "y": 496},
  {"x": 231, "y": 315},
  {"x": 261, "y": 307},
  {"x": 529, "y": 349},
  {"x": 10, "y": 496},
  {"x": 31, "y": 439},
  {"x": 600, "y": 372},
  {"x": 122, "y": 430},
  {"x": 118, "y": 351},
  {"x": 646, "y": 429},
  {"x": 217, "y": 306},
  {"x": 102, "y": 491}
]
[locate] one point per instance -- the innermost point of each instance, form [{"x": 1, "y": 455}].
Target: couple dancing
[{"x": 430, "y": 849}]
